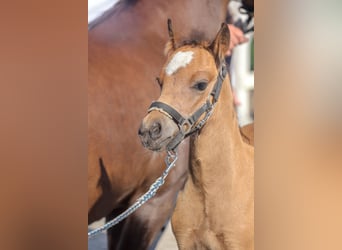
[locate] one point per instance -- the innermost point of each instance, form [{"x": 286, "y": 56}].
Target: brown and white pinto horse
[
  {"x": 125, "y": 51},
  {"x": 216, "y": 208}
]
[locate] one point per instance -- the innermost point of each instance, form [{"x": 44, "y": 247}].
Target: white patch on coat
[
  {"x": 96, "y": 8},
  {"x": 180, "y": 59}
]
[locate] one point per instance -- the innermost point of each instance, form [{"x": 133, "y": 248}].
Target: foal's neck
[{"x": 212, "y": 151}]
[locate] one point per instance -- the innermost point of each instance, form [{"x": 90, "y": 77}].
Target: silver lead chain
[{"x": 170, "y": 161}]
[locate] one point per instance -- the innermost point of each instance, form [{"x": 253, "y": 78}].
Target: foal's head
[{"x": 187, "y": 79}]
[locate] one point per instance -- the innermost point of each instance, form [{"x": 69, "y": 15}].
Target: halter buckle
[{"x": 186, "y": 126}]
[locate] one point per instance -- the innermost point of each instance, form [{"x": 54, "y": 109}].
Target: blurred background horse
[{"x": 125, "y": 47}]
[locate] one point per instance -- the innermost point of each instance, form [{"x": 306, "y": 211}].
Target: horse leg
[
  {"x": 114, "y": 233},
  {"x": 141, "y": 229}
]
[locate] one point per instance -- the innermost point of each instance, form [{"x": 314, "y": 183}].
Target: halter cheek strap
[{"x": 189, "y": 125}]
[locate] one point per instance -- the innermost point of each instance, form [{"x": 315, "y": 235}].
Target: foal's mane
[
  {"x": 192, "y": 43},
  {"x": 196, "y": 39}
]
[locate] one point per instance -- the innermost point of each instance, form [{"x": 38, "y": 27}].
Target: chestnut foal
[{"x": 216, "y": 208}]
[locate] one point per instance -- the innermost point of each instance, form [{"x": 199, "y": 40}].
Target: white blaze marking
[{"x": 180, "y": 59}]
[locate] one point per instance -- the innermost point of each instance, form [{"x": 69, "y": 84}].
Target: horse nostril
[
  {"x": 155, "y": 130},
  {"x": 140, "y": 131}
]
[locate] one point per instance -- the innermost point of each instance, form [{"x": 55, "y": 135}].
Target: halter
[{"x": 189, "y": 125}]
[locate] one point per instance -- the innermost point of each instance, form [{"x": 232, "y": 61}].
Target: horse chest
[{"x": 194, "y": 225}]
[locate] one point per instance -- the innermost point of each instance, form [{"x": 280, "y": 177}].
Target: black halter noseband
[{"x": 187, "y": 125}]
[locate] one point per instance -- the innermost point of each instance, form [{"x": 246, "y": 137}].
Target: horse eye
[{"x": 200, "y": 86}]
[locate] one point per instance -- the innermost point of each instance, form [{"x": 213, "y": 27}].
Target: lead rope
[{"x": 170, "y": 161}]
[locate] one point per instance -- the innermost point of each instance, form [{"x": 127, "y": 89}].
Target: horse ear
[
  {"x": 171, "y": 44},
  {"x": 220, "y": 45}
]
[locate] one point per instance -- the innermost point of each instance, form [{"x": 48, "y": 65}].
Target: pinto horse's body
[
  {"x": 216, "y": 208},
  {"x": 125, "y": 51}
]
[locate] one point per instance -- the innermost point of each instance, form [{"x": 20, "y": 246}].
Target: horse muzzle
[{"x": 156, "y": 131}]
